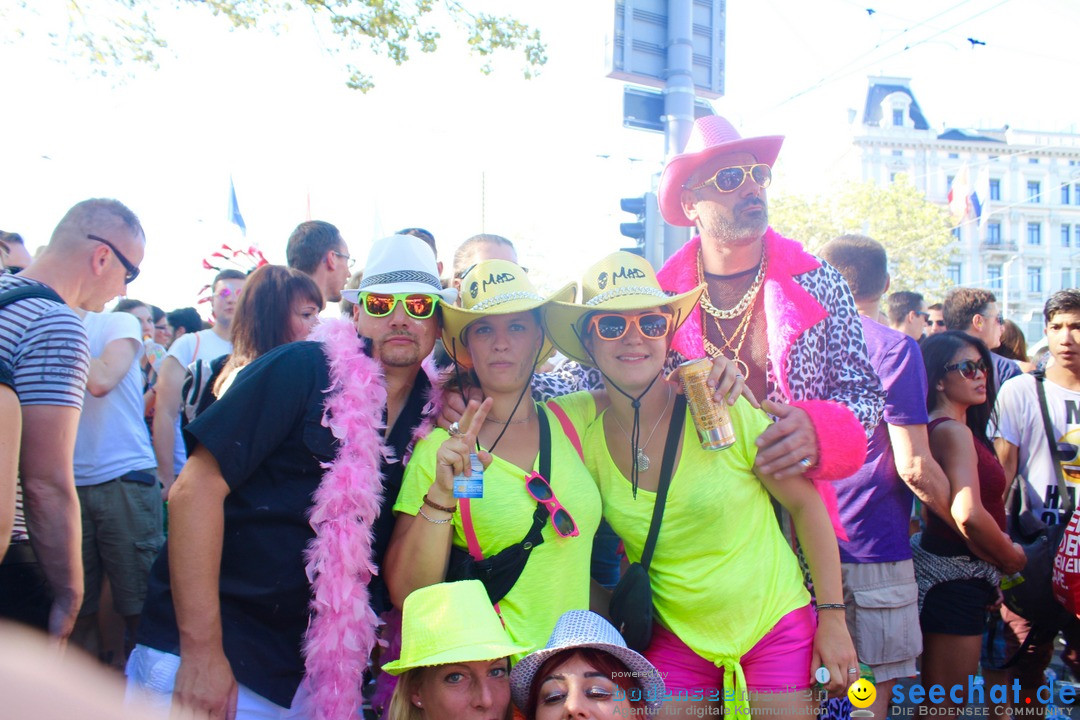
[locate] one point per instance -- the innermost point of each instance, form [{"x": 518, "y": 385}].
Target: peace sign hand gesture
[{"x": 452, "y": 458}]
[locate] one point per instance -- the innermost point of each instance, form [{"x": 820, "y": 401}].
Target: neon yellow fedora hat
[
  {"x": 494, "y": 287},
  {"x": 450, "y": 623},
  {"x": 620, "y": 282}
]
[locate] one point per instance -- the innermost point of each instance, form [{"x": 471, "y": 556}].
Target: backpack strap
[
  {"x": 1048, "y": 429},
  {"x": 30, "y": 291}
]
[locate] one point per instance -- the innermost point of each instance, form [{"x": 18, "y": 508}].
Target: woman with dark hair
[
  {"x": 1013, "y": 346},
  {"x": 586, "y": 670},
  {"x": 278, "y": 305},
  {"x": 955, "y": 589}
]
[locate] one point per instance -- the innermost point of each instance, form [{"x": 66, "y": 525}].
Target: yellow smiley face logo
[{"x": 862, "y": 693}]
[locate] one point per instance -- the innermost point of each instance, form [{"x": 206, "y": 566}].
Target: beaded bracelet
[
  {"x": 831, "y": 606},
  {"x": 427, "y": 501},
  {"x": 431, "y": 519}
]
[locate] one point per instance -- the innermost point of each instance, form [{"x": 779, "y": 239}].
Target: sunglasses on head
[
  {"x": 730, "y": 179},
  {"x": 613, "y": 326},
  {"x": 417, "y": 305},
  {"x": 540, "y": 490},
  {"x": 968, "y": 368}
]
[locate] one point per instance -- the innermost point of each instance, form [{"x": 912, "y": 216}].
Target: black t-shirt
[
  {"x": 266, "y": 434},
  {"x": 398, "y": 440}
]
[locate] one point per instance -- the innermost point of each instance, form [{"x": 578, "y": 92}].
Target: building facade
[{"x": 1019, "y": 191}]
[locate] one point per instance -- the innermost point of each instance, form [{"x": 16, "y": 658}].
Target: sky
[{"x": 437, "y": 144}]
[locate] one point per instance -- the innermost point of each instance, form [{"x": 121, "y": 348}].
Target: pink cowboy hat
[{"x": 712, "y": 135}]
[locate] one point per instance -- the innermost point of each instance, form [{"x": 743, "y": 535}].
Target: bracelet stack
[
  {"x": 831, "y": 606},
  {"x": 431, "y": 519},
  {"x": 429, "y": 503}
]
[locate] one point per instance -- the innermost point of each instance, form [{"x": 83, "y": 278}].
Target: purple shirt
[{"x": 874, "y": 503}]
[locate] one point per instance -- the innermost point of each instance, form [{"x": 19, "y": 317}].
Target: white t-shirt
[
  {"x": 112, "y": 437},
  {"x": 203, "y": 345},
  {"x": 1020, "y": 423}
]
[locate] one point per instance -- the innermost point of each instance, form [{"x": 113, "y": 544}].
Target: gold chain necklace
[
  {"x": 643, "y": 462},
  {"x": 744, "y": 302},
  {"x": 745, "y": 308}
]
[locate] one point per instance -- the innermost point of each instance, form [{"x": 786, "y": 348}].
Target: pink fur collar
[
  {"x": 341, "y": 633},
  {"x": 790, "y": 309}
]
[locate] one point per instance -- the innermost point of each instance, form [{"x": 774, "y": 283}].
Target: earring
[{"x": 417, "y": 703}]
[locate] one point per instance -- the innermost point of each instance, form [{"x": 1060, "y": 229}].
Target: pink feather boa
[{"x": 341, "y": 633}]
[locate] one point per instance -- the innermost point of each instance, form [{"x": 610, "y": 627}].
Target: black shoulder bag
[
  {"x": 499, "y": 572},
  {"x": 631, "y": 607},
  {"x": 1032, "y": 595}
]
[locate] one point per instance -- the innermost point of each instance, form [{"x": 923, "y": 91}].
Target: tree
[
  {"x": 915, "y": 232},
  {"x": 110, "y": 34}
]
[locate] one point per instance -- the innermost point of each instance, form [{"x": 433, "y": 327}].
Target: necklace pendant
[{"x": 642, "y": 460}]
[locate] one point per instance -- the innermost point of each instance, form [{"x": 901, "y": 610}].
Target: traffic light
[{"x": 644, "y": 230}]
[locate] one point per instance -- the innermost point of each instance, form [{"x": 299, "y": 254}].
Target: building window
[
  {"x": 956, "y": 233},
  {"x": 995, "y": 189},
  {"x": 1033, "y": 161},
  {"x": 993, "y": 277},
  {"x": 953, "y": 273},
  {"x": 898, "y": 153},
  {"x": 993, "y": 233},
  {"x": 1034, "y": 275},
  {"x": 892, "y": 177},
  {"x": 1065, "y": 235},
  {"x": 954, "y": 156},
  {"x": 1065, "y": 194},
  {"x": 1076, "y": 194},
  {"x": 1066, "y": 278},
  {"x": 1034, "y": 233},
  {"x": 1033, "y": 191},
  {"x": 898, "y": 118}
]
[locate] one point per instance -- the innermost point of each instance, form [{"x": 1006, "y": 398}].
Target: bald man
[{"x": 92, "y": 255}]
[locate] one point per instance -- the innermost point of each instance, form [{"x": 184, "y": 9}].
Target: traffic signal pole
[{"x": 678, "y": 102}]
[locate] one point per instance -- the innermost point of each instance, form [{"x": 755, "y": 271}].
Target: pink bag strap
[
  {"x": 470, "y": 532},
  {"x": 567, "y": 426},
  {"x": 473, "y": 543}
]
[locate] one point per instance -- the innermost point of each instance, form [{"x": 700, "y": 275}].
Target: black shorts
[{"x": 957, "y": 607}]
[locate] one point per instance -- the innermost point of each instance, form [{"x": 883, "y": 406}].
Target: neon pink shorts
[{"x": 779, "y": 662}]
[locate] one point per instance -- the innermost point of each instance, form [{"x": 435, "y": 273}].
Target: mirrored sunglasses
[
  {"x": 613, "y": 326},
  {"x": 968, "y": 368},
  {"x": 417, "y": 305},
  {"x": 540, "y": 490},
  {"x": 730, "y": 179}
]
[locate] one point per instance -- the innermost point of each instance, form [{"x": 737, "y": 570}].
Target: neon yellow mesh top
[
  {"x": 556, "y": 577},
  {"x": 722, "y": 574}
]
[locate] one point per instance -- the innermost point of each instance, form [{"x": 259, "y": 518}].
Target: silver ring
[
  {"x": 852, "y": 670},
  {"x": 454, "y": 429},
  {"x": 806, "y": 463}
]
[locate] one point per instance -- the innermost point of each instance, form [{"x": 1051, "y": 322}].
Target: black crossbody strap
[
  {"x": 667, "y": 467},
  {"x": 1048, "y": 428},
  {"x": 541, "y": 515},
  {"x": 29, "y": 291}
]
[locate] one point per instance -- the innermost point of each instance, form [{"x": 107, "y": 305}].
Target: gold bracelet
[{"x": 431, "y": 519}]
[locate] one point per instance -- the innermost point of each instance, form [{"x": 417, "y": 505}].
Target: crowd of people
[{"x": 433, "y": 506}]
